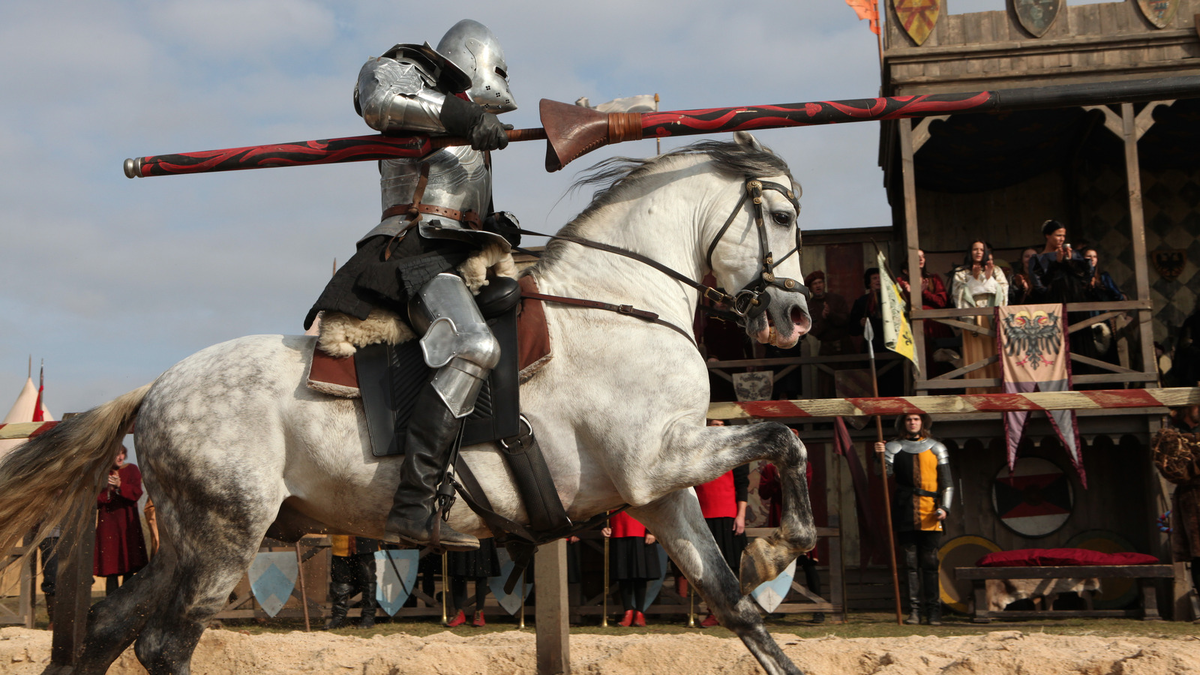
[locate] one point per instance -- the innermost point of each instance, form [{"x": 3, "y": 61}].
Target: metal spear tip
[{"x": 133, "y": 168}]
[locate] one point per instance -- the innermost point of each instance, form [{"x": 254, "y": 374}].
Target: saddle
[{"x": 387, "y": 376}]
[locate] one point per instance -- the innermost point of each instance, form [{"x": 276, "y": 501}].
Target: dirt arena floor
[{"x": 996, "y": 652}]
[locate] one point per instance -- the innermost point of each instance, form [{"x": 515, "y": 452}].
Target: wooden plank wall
[{"x": 1108, "y": 39}]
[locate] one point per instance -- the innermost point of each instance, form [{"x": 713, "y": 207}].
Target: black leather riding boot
[
  {"x": 914, "y": 598},
  {"x": 933, "y": 596},
  {"x": 427, "y": 447},
  {"x": 366, "y": 581},
  {"x": 340, "y": 588}
]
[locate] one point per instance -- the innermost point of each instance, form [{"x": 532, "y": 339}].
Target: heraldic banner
[
  {"x": 1035, "y": 356},
  {"x": 897, "y": 333}
]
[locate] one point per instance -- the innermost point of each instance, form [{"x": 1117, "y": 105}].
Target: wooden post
[
  {"x": 552, "y": 611},
  {"x": 27, "y": 600},
  {"x": 73, "y": 597},
  {"x": 907, "y": 149},
  {"x": 1137, "y": 234}
]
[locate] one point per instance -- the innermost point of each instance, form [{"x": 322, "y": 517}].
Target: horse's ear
[{"x": 747, "y": 139}]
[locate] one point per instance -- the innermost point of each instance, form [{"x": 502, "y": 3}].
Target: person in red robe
[
  {"x": 633, "y": 559},
  {"x": 723, "y": 503},
  {"x": 120, "y": 546}
]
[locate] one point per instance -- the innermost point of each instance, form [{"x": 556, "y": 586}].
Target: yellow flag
[{"x": 897, "y": 333}]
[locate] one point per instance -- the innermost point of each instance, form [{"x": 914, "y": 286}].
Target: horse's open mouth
[{"x": 799, "y": 324}]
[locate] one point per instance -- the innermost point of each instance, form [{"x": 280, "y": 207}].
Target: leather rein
[{"x": 746, "y": 304}]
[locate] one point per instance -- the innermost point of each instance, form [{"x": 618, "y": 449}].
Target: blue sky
[{"x": 112, "y": 280}]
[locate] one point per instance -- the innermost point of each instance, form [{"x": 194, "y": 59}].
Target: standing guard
[
  {"x": 445, "y": 197},
  {"x": 924, "y": 492}
]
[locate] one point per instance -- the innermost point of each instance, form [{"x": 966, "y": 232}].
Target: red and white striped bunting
[{"x": 960, "y": 404}]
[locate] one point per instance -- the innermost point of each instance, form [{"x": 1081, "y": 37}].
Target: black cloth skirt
[
  {"x": 731, "y": 544},
  {"x": 476, "y": 564},
  {"x": 630, "y": 559}
]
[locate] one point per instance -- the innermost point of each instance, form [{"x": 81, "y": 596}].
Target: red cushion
[{"x": 1051, "y": 557}]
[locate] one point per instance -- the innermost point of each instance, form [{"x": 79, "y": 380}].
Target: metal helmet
[{"x": 472, "y": 47}]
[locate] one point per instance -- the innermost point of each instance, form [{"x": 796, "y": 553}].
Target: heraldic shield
[
  {"x": 511, "y": 602},
  {"x": 918, "y": 17},
  {"x": 770, "y": 594},
  {"x": 395, "y": 575},
  {"x": 1158, "y": 12},
  {"x": 655, "y": 586},
  {"x": 272, "y": 579},
  {"x": 1036, "y": 16}
]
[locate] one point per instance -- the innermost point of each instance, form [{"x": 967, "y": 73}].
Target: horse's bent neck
[{"x": 666, "y": 217}]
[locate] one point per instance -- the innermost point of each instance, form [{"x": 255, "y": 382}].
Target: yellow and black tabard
[{"x": 923, "y": 484}]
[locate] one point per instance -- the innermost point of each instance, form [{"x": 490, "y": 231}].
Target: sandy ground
[{"x": 26, "y": 652}]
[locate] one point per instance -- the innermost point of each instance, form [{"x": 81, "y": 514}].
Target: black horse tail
[{"x": 44, "y": 479}]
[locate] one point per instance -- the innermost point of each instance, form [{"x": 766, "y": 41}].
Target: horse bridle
[
  {"x": 746, "y": 304},
  {"x": 749, "y": 302}
]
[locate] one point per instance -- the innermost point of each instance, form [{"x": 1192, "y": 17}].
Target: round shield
[
  {"x": 1114, "y": 593},
  {"x": 1035, "y": 500},
  {"x": 960, "y": 552}
]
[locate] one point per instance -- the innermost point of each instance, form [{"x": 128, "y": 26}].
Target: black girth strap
[{"x": 534, "y": 482}]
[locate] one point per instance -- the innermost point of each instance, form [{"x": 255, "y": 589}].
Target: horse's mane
[{"x": 616, "y": 176}]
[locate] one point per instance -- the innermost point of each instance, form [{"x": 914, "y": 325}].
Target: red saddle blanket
[
  {"x": 327, "y": 373},
  {"x": 1055, "y": 557}
]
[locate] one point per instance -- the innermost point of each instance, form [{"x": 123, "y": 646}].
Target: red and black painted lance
[{"x": 572, "y": 131}]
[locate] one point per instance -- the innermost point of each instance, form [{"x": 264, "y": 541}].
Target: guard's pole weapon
[
  {"x": 572, "y": 131},
  {"x": 869, "y": 338}
]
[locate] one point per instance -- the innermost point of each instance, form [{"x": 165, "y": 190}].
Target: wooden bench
[{"x": 1144, "y": 574}]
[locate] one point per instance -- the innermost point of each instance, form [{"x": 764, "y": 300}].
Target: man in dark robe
[
  {"x": 120, "y": 546},
  {"x": 831, "y": 325}
]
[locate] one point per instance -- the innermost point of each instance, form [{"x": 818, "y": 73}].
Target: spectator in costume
[
  {"x": 633, "y": 559},
  {"x": 1049, "y": 271},
  {"x": 771, "y": 490},
  {"x": 1019, "y": 287},
  {"x": 933, "y": 296},
  {"x": 924, "y": 493},
  {"x": 352, "y": 570},
  {"x": 979, "y": 283},
  {"x": 477, "y": 565},
  {"x": 723, "y": 502},
  {"x": 830, "y": 325},
  {"x": 869, "y": 307},
  {"x": 120, "y": 546}
]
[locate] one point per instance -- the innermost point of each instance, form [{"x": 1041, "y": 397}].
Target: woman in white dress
[{"x": 978, "y": 282}]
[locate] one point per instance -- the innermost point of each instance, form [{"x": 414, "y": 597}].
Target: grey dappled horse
[{"x": 234, "y": 446}]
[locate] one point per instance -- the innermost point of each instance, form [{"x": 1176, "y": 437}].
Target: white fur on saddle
[{"x": 342, "y": 335}]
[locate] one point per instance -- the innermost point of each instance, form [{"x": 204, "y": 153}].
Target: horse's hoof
[{"x": 756, "y": 566}]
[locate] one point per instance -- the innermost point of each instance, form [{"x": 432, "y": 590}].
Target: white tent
[{"x": 22, "y": 411}]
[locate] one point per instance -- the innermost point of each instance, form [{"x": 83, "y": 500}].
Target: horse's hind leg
[
  {"x": 114, "y": 622},
  {"x": 207, "y": 568},
  {"x": 679, "y": 525}
]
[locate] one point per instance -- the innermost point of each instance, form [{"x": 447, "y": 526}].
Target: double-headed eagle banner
[{"x": 1035, "y": 356}]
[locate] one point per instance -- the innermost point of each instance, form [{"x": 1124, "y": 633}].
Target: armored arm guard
[
  {"x": 889, "y": 456},
  {"x": 397, "y": 95},
  {"x": 945, "y": 482}
]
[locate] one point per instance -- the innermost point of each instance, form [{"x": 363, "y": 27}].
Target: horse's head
[{"x": 754, "y": 249}]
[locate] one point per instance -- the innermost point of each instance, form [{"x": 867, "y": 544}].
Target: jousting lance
[{"x": 572, "y": 131}]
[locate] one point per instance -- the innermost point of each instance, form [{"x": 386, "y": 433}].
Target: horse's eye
[{"x": 781, "y": 217}]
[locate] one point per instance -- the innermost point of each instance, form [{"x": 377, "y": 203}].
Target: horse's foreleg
[
  {"x": 679, "y": 526},
  {"x": 766, "y": 557},
  {"x": 700, "y": 453}
]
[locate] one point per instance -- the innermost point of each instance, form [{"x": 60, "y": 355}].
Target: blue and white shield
[
  {"x": 770, "y": 594},
  {"x": 655, "y": 586},
  {"x": 272, "y": 578},
  {"x": 511, "y": 602},
  {"x": 395, "y": 574}
]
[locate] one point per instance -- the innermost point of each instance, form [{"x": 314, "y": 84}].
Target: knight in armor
[
  {"x": 924, "y": 493},
  {"x": 437, "y": 218}
]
